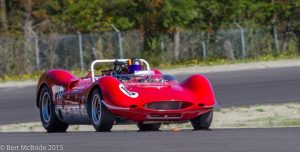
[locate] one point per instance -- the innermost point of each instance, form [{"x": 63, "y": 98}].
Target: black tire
[
  {"x": 148, "y": 127},
  {"x": 203, "y": 121},
  {"x": 100, "y": 117},
  {"x": 47, "y": 113}
]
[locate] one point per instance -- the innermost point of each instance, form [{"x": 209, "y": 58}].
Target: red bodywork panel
[{"x": 154, "y": 101}]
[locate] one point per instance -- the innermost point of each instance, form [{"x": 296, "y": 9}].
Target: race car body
[{"x": 146, "y": 97}]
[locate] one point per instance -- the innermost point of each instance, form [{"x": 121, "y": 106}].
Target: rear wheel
[
  {"x": 203, "y": 121},
  {"x": 47, "y": 113},
  {"x": 100, "y": 117},
  {"x": 148, "y": 127}
]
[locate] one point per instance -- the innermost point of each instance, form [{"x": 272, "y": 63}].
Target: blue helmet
[{"x": 134, "y": 65}]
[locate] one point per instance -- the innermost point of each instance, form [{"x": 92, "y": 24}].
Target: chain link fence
[{"x": 19, "y": 55}]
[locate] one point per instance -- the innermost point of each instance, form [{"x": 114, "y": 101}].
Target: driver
[{"x": 134, "y": 65}]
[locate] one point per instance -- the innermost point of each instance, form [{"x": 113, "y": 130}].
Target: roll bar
[{"x": 111, "y": 61}]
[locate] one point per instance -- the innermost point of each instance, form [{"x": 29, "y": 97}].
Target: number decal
[
  {"x": 128, "y": 93},
  {"x": 58, "y": 92}
]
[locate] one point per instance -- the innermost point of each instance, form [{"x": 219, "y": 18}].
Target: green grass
[
  {"x": 32, "y": 76},
  {"x": 291, "y": 122},
  {"x": 276, "y": 121},
  {"x": 260, "y": 110},
  {"x": 217, "y": 109},
  {"x": 179, "y": 64},
  {"x": 239, "y": 125},
  {"x": 212, "y": 62}
]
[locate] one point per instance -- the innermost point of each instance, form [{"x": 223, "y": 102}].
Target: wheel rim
[
  {"x": 46, "y": 107},
  {"x": 96, "y": 109}
]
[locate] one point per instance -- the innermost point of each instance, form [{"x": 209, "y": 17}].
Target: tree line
[{"x": 150, "y": 17}]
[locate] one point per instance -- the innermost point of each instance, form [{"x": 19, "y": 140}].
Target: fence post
[
  {"x": 80, "y": 51},
  {"x": 37, "y": 50},
  {"x": 203, "y": 46},
  {"x": 162, "y": 48},
  {"x": 242, "y": 39},
  {"x": 276, "y": 39},
  {"x": 120, "y": 41}
]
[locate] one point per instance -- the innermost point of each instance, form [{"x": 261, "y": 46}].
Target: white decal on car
[
  {"x": 128, "y": 93},
  {"x": 58, "y": 92}
]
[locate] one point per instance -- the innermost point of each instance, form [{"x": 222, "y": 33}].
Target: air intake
[{"x": 167, "y": 105}]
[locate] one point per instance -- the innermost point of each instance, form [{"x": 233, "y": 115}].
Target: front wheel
[
  {"x": 100, "y": 117},
  {"x": 47, "y": 113},
  {"x": 203, "y": 121},
  {"x": 148, "y": 127}
]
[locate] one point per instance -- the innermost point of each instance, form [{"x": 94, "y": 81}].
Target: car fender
[
  {"x": 55, "y": 77},
  {"x": 200, "y": 88},
  {"x": 156, "y": 71},
  {"x": 112, "y": 92}
]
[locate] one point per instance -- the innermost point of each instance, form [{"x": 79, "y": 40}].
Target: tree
[
  {"x": 155, "y": 17},
  {"x": 3, "y": 15},
  {"x": 176, "y": 15}
]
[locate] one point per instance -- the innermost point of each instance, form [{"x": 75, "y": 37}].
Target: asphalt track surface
[
  {"x": 231, "y": 88},
  {"x": 218, "y": 140}
]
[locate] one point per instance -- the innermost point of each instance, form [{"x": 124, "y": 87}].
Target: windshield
[{"x": 154, "y": 78}]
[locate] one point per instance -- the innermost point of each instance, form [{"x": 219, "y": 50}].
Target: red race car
[{"x": 130, "y": 90}]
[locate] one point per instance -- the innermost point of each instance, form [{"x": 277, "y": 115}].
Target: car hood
[{"x": 161, "y": 92}]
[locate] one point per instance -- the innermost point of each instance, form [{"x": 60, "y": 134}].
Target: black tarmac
[{"x": 218, "y": 140}]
